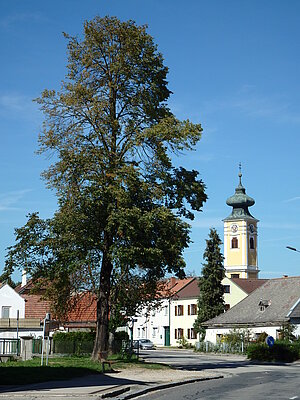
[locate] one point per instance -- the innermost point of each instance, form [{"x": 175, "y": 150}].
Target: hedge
[{"x": 281, "y": 351}]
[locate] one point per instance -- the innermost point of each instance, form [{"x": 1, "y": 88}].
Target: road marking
[{"x": 295, "y": 397}]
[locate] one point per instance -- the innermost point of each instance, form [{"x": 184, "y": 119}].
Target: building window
[
  {"x": 235, "y": 275},
  {"x": 138, "y": 332},
  {"x": 226, "y": 288},
  {"x": 226, "y": 307},
  {"x": 179, "y": 310},
  {"x": 154, "y": 332},
  {"x": 5, "y": 311},
  {"x": 191, "y": 334},
  {"x": 234, "y": 243},
  {"x": 178, "y": 333},
  {"x": 166, "y": 310},
  {"x": 251, "y": 243},
  {"x": 192, "y": 309}
]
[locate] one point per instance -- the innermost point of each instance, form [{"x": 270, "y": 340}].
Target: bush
[
  {"x": 73, "y": 342},
  {"x": 74, "y": 336},
  {"x": 281, "y": 351},
  {"x": 262, "y": 337},
  {"x": 121, "y": 335}
]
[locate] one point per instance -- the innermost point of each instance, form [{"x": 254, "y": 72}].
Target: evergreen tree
[{"x": 211, "y": 301}]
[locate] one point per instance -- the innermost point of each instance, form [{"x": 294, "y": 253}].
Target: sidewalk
[{"x": 125, "y": 384}]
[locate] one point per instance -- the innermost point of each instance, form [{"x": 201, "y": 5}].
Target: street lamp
[{"x": 292, "y": 248}]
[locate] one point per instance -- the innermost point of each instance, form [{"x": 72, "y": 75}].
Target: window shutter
[
  {"x": 189, "y": 309},
  {"x": 175, "y": 311}
]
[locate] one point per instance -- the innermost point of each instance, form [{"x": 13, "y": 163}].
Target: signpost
[
  {"x": 46, "y": 329},
  {"x": 270, "y": 341}
]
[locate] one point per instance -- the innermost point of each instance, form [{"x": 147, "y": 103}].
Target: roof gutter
[{"x": 293, "y": 307}]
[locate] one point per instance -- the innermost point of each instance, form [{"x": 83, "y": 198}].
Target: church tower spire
[{"x": 240, "y": 236}]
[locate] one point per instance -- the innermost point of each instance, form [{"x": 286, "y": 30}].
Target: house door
[{"x": 167, "y": 336}]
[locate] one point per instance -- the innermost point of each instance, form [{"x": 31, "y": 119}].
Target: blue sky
[{"x": 234, "y": 68}]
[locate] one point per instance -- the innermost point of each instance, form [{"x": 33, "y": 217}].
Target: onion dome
[{"x": 240, "y": 202}]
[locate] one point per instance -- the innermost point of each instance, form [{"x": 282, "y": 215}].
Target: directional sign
[{"x": 270, "y": 341}]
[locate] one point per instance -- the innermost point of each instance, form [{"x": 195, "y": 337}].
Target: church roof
[
  {"x": 248, "y": 285},
  {"x": 240, "y": 202}
]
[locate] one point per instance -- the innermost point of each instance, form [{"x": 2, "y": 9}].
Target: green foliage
[
  {"x": 71, "y": 336},
  {"x": 183, "y": 343},
  {"x": 281, "y": 351},
  {"x": 121, "y": 335},
  {"x": 210, "y": 301},
  {"x": 118, "y": 227},
  {"x": 262, "y": 337},
  {"x": 77, "y": 343},
  {"x": 238, "y": 336},
  {"x": 286, "y": 332}
]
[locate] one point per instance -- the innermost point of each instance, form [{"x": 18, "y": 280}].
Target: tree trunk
[{"x": 100, "y": 350}]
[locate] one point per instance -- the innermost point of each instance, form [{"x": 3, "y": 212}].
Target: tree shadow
[{"x": 18, "y": 379}]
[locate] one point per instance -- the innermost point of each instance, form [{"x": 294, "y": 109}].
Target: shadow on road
[{"x": 104, "y": 380}]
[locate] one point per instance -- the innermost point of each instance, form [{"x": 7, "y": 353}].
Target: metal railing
[
  {"x": 9, "y": 346},
  {"x": 208, "y": 347}
]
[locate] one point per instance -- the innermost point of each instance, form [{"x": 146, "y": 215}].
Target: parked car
[{"x": 144, "y": 344}]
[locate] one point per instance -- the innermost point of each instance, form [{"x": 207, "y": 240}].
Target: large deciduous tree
[
  {"x": 210, "y": 301},
  {"x": 120, "y": 199}
]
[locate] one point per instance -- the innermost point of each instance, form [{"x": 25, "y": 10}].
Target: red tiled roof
[
  {"x": 190, "y": 290},
  {"x": 84, "y": 309},
  {"x": 249, "y": 285},
  {"x": 35, "y": 307},
  {"x": 173, "y": 286}
]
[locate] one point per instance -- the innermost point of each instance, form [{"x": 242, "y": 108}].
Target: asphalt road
[{"x": 243, "y": 380}]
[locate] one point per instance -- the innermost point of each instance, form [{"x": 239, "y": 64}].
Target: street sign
[{"x": 270, "y": 341}]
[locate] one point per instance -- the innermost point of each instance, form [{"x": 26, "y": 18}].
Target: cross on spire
[{"x": 240, "y": 172}]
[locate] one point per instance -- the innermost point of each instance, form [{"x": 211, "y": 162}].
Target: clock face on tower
[
  {"x": 234, "y": 228},
  {"x": 251, "y": 228}
]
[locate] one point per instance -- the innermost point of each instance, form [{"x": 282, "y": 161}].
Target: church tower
[{"x": 240, "y": 236}]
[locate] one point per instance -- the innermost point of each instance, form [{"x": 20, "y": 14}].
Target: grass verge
[{"x": 61, "y": 368}]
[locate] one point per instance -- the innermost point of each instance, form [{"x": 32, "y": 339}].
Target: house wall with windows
[
  {"x": 183, "y": 316},
  {"x": 156, "y": 323},
  {"x": 10, "y": 303},
  {"x": 153, "y": 324},
  {"x": 184, "y": 313},
  {"x": 233, "y": 294}
]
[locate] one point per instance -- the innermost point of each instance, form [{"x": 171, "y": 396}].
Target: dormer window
[{"x": 263, "y": 304}]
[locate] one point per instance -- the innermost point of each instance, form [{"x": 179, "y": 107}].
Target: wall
[
  {"x": 211, "y": 334},
  {"x": 9, "y": 297},
  {"x": 236, "y": 293},
  {"x": 153, "y": 325},
  {"x": 184, "y": 321}
]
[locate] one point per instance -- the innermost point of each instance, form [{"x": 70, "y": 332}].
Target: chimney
[
  {"x": 24, "y": 278},
  {"x": 172, "y": 281}
]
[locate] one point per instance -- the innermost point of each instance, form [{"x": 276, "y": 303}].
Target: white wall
[
  {"x": 152, "y": 326},
  {"x": 211, "y": 334},
  {"x": 10, "y": 298},
  {"x": 12, "y": 334}
]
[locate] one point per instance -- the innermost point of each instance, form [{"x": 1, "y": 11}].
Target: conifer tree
[{"x": 211, "y": 301}]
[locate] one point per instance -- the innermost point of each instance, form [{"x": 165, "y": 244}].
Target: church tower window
[
  {"x": 234, "y": 243},
  {"x": 252, "y": 243}
]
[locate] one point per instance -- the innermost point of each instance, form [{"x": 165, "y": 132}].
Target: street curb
[{"x": 155, "y": 388}]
